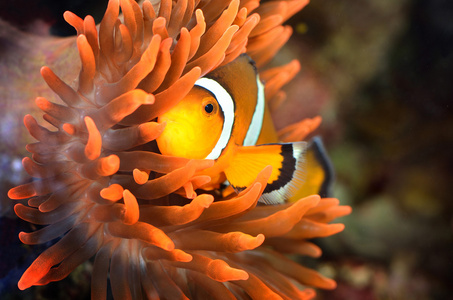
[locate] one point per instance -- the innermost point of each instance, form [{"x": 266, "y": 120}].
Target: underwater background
[{"x": 380, "y": 73}]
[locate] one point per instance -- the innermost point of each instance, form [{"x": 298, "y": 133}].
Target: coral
[{"x": 102, "y": 185}]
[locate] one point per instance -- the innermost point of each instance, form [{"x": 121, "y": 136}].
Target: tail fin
[{"x": 319, "y": 172}]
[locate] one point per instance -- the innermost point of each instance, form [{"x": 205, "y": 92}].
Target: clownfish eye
[{"x": 210, "y": 107}]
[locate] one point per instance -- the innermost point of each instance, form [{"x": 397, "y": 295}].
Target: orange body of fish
[{"x": 225, "y": 118}]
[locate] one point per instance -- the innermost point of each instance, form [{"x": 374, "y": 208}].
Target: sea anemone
[{"x": 102, "y": 186}]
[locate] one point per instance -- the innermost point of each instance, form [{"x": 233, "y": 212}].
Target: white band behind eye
[
  {"x": 226, "y": 104},
  {"x": 258, "y": 115}
]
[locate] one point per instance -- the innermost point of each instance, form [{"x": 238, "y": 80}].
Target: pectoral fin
[{"x": 287, "y": 161}]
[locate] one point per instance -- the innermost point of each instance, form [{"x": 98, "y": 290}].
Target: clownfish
[{"x": 224, "y": 117}]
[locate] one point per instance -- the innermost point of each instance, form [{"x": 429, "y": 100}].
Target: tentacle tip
[
  {"x": 309, "y": 293},
  {"x": 329, "y": 284},
  {"x": 161, "y": 125},
  {"x": 240, "y": 274},
  {"x": 132, "y": 206},
  {"x": 15, "y": 194},
  {"x": 209, "y": 163},
  {"x": 314, "y": 199},
  {"x": 249, "y": 242},
  {"x": 346, "y": 210},
  {"x": 17, "y": 208},
  {"x": 22, "y": 286},
  {"x": 255, "y": 17},
  {"x": 259, "y": 239},
  {"x": 234, "y": 28},
  {"x": 69, "y": 128},
  {"x": 43, "y": 208},
  {"x": 338, "y": 227},
  {"x": 40, "y": 101},
  {"x": 265, "y": 173},
  {"x": 22, "y": 237},
  {"x": 182, "y": 256},
  {"x": 89, "y": 17},
  {"x": 11, "y": 194},
  {"x": 316, "y": 254},
  {"x": 67, "y": 14},
  {"x": 140, "y": 177},
  {"x": 44, "y": 70},
  {"x": 316, "y": 121},
  {"x": 196, "y": 70},
  {"x": 206, "y": 201},
  {"x": 150, "y": 99},
  {"x": 113, "y": 161},
  {"x": 81, "y": 38},
  {"x": 113, "y": 192},
  {"x": 295, "y": 63},
  {"x": 28, "y": 119},
  {"x": 167, "y": 245}
]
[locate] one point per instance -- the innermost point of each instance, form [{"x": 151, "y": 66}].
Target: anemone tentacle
[{"x": 102, "y": 185}]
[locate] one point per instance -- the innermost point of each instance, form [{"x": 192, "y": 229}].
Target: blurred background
[{"x": 380, "y": 73}]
